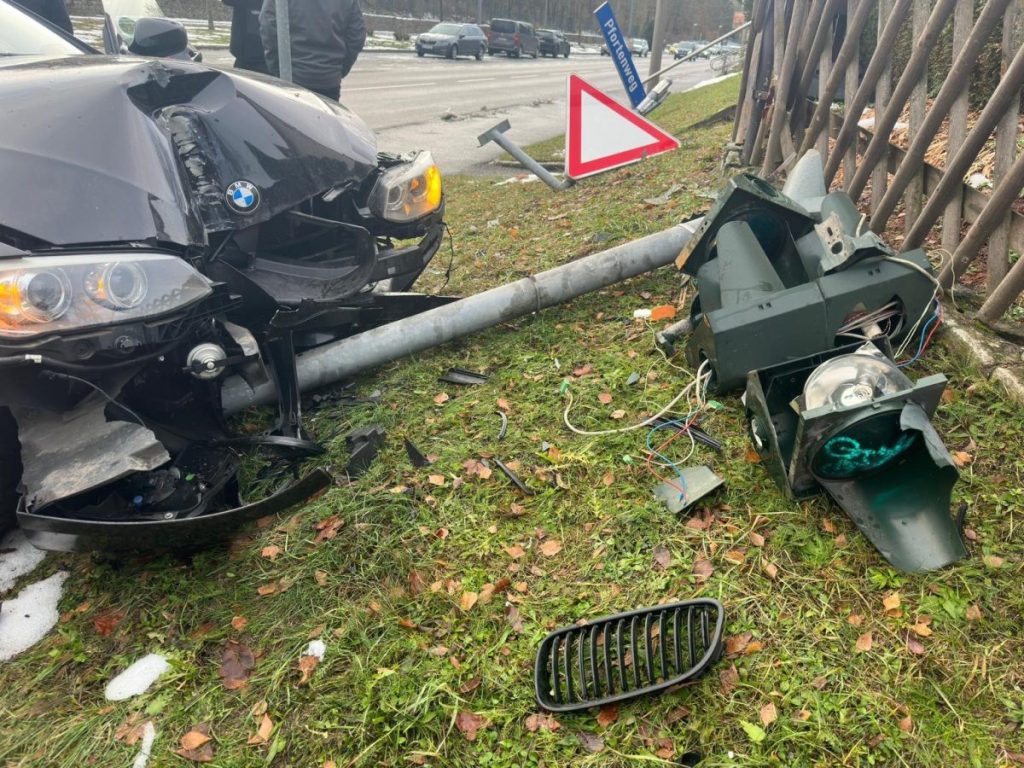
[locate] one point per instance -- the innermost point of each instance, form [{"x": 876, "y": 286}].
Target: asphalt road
[{"x": 441, "y": 105}]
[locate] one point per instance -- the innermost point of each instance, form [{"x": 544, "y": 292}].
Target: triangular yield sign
[{"x": 601, "y": 134}]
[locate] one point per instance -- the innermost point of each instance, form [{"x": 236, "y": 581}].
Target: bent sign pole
[
  {"x": 602, "y": 134},
  {"x": 618, "y": 47}
]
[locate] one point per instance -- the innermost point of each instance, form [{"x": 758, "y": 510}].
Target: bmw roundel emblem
[{"x": 243, "y": 196}]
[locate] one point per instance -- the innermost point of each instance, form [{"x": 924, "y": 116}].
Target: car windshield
[
  {"x": 446, "y": 29},
  {"x": 500, "y": 25},
  {"x": 547, "y": 34},
  {"x": 23, "y": 35}
]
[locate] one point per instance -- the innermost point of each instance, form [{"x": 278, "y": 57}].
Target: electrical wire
[
  {"x": 694, "y": 384},
  {"x": 100, "y": 390}
]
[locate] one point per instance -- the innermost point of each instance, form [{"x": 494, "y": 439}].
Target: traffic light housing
[{"x": 848, "y": 422}]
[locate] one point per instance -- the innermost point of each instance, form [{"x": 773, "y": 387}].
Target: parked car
[
  {"x": 639, "y": 47},
  {"x": 551, "y": 42},
  {"x": 513, "y": 38},
  {"x": 452, "y": 40},
  {"x": 164, "y": 224},
  {"x": 684, "y": 48}
]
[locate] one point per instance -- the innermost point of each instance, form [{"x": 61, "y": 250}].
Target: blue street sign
[{"x": 618, "y": 47}]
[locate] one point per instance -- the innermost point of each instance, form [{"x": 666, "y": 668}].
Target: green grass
[{"x": 403, "y": 659}]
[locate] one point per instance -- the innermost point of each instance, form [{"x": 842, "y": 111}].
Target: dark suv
[
  {"x": 514, "y": 38},
  {"x": 551, "y": 42}
]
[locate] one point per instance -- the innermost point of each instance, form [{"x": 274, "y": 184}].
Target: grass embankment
[{"x": 413, "y": 662}]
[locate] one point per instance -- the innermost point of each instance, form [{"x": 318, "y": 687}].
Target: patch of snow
[
  {"x": 710, "y": 81},
  {"x": 316, "y": 648},
  {"x": 978, "y": 181},
  {"x": 521, "y": 179},
  {"x": 148, "y": 737},
  {"x": 27, "y": 619},
  {"x": 22, "y": 559},
  {"x": 137, "y": 678}
]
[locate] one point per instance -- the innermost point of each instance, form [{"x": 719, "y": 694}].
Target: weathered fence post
[{"x": 963, "y": 18}]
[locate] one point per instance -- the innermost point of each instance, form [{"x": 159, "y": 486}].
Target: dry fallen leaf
[
  {"x": 962, "y": 459},
  {"x": 993, "y": 561},
  {"x": 320, "y": 577},
  {"x": 441, "y": 398},
  {"x": 604, "y": 398},
  {"x": 469, "y": 723},
  {"x": 921, "y": 630},
  {"x": 891, "y": 602},
  {"x": 662, "y": 312},
  {"x": 551, "y": 547},
  {"x": 973, "y": 612},
  {"x": 662, "y": 557},
  {"x": 864, "y": 643},
  {"x": 268, "y": 589},
  {"x": 196, "y": 745},
  {"x": 914, "y": 645},
  {"x": 768, "y": 714},
  {"x": 702, "y": 569},
  {"x": 752, "y": 456},
  {"x": 772, "y": 570},
  {"x": 729, "y": 679},
  {"x": 239, "y": 623},
  {"x": 237, "y": 663},
  {"x": 543, "y": 722},
  {"x": 271, "y": 551},
  {"x": 608, "y": 479},
  {"x": 734, "y": 556},
  {"x": 262, "y": 734},
  {"x": 756, "y": 539},
  {"x": 906, "y": 724},
  {"x": 486, "y": 594},
  {"x": 468, "y": 600},
  {"x": 736, "y": 644},
  {"x": 328, "y": 528},
  {"x": 590, "y": 742},
  {"x": 307, "y": 664},
  {"x": 515, "y": 551},
  {"x": 607, "y": 715},
  {"x": 416, "y": 583},
  {"x": 503, "y": 404},
  {"x": 437, "y": 480},
  {"x": 107, "y": 622},
  {"x": 855, "y": 619},
  {"x": 618, "y": 413}
]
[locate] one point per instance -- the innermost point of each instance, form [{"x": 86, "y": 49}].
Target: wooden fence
[{"x": 781, "y": 114}]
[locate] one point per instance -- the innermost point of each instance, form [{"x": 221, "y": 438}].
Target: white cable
[{"x": 646, "y": 422}]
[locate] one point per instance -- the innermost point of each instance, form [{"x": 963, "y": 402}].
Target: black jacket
[
  {"x": 246, "y": 45},
  {"x": 53, "y": 11},
  {"x": 327, "y": 36}
]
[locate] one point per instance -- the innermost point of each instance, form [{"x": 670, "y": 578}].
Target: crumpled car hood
[{"x": 101, "y": 149}]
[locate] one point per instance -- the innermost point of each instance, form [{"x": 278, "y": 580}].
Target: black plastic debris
[
  {"x": 692, "y": 484},
  {"x": 513, "y": 477},
  {"x": 415, "y": 455},
  {"x": 462, "y": 376},
  {"x": 363, "y": 443},
  {"x": 620, "y": 657}
]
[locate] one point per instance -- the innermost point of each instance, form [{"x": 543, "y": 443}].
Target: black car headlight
[
  {"x": 408, "y": 191},
  {"x": 40, "y": 295}
]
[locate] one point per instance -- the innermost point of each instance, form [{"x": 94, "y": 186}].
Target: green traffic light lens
[{"x": 869, "y": 444}]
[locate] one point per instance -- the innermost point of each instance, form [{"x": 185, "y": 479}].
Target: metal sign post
[
  {"x": 284, "y": 40},
  {"x": 618, "y": 47}
]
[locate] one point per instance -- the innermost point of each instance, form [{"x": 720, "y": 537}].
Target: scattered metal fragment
[
  {"x": 634, "y": 377},
  {"x": 513, "y": 477},
  {"x": 415, "y": 455},
  {"x": 462, "y": 376},
  {"x": 504, "y": 424},
  {"x": 620, "y": 657},
  {"x": 696, "y": 483},
  {"x": 364, "y": 443}
]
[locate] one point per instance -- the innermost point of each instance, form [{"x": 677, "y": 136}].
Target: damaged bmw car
[{"x": 164, "y": 224}]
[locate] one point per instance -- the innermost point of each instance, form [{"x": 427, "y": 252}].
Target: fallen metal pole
[
  {"x": 694, "y": 54},
  {"x": 496, "y": 134},
  {"x": 340, "y": 359}
]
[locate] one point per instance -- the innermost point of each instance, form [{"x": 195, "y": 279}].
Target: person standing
[
  {"x": 54, "y": 11},
  {"x": 246, "y": 44},
  {"x": 326, "y": 38}
]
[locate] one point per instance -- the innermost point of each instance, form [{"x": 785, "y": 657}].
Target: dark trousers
[
  {"x": 331, "y": 93},
  {"x": 253, "y": 65}
]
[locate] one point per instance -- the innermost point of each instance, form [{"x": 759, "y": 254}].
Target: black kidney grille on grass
[{"x": 629, "y": 654}]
